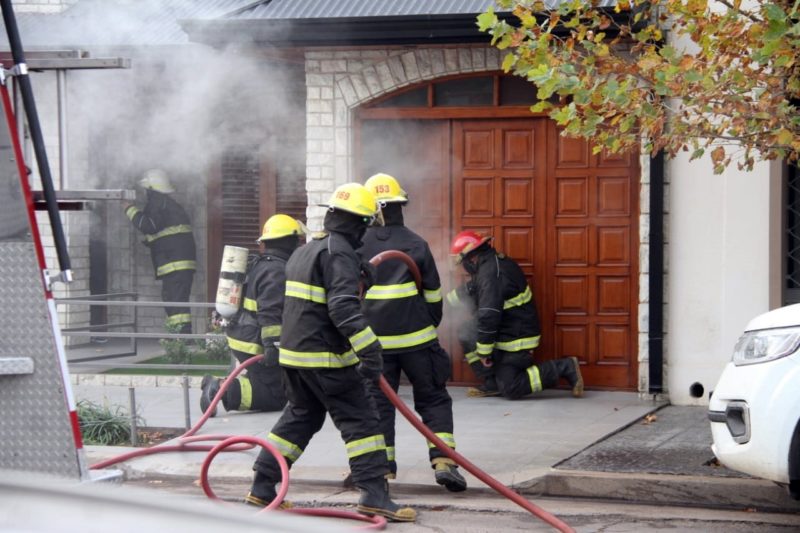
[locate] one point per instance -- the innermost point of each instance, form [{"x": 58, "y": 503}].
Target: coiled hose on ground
[{"x": 188, "y": 442}]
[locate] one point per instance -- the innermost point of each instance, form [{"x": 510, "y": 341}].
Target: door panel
[
  {"x": 567, "y": 216},
  {"x": 499, "y": 171},
  {"x": 592, "y": 236}
]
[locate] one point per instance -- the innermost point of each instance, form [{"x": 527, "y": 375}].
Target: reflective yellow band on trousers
[
  {"x": 179, "y": 319},
  {"x": 433, "y": 296},
  {"x": 250, "y": 305},
  {"x": 166, "y": 232},
  {"x": 390, "y": 292},
  {"x": 244, "y": 346},
  {"x": 362, "y": 339},
  {"x": 520, "y": 299},
  {"x": 526, "y": 343},
  {"x": 389, "y": 342},
  {"x": 175, "y": 266},
  {"x": 375, "y": 443},
  {"x": 317, "y": 359},
  {"x": 288, "y": 449},
  {"x": 304, "y": 291},
  {"x": 246, "y": 389},
  {"x": 448, "y": 439},
  {"x": 534, "y": 378}
]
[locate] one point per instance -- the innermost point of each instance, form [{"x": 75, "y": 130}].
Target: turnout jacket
[
  {"x": 167, "y": 232},
  {"x": 506, "y": 316},
  {"x": 323, "y": 326},
  {"x": 404, "y": 318},
  {"x": 258, "y": 322}
]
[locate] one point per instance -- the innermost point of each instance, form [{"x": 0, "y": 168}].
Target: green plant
[
  {"x": 103, "y": 425},
  {"x": 177, "y": 350}
]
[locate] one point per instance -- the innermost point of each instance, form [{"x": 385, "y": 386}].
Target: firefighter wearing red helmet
[
  {"x": 327, "y": 352},
  {"x": 405, "y": 321},
  {"x": 505, "y": 327},
  {"x": 256, "y": 327}
]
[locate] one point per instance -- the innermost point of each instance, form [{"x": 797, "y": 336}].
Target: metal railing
[{"x": 102, "y": 331}]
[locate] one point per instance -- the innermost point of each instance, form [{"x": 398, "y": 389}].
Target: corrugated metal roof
[
  {"x": 307, "y": 9},
  {"x": 120, "y": 22}
]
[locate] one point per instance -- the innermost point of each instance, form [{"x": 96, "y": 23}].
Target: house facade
[{"x": 645, "y": 269}]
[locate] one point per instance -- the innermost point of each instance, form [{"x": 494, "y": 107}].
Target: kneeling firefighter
[
  {"x": 327, "y": 351},
  {"x": 505, "y": 322},
  {"x": 256, "y": 328}
]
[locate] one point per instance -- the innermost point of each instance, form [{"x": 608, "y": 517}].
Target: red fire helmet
[{"x": 465, "y": 242}]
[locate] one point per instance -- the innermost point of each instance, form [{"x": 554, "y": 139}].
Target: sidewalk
[{"x": 547, "y": 445}]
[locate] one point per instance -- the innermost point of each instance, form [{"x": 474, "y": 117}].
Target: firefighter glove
[
  {"x": 370, "y": 366},
  {"x": 369, "y": 274},
  {"x": 271, "y": 357}
]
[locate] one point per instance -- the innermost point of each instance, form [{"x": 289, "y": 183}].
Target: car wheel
[{"x": 794, "y": 464}]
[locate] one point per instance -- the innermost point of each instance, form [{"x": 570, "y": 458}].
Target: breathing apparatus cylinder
[{"x": 231, "y": 280}]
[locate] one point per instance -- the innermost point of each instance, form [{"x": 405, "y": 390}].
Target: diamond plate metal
[
  {"x": 10, "y": 366},
  {"x": 35, "y": 429}
]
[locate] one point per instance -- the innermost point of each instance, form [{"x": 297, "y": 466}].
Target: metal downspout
[{"x": 655, "y": 340}]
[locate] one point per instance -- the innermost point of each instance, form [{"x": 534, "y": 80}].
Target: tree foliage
[{"x": 702, "y": 76}]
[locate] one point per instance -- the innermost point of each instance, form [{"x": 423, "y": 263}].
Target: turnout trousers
[
  {"x": 311, "y": 394},
  {"x": 260, "y": 389},
  {"x": 177, "y": 287},
  {"x": 428, "y": 370}
]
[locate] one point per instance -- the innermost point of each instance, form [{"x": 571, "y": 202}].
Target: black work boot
[
  {"x": 447, "y": 474},
  {"x": 209, "y": 388},
  {"x": 570, "y": 369},
  {"x": 375, "y": 500},
  {"x": 489, "y": 387},
  {"x": 263, "y": 492}
]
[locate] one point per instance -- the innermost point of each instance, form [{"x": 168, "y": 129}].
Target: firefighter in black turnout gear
[
  {"x": 506, "y": 325},
  {"x": 327, "y": 352},
  {"x": 256, "y": 328},
  {"x": 405, "y": 321},
  {"x": 168, "y": 233}
]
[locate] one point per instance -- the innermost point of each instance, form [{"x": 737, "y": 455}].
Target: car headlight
[{"x": 765, "y": 345}]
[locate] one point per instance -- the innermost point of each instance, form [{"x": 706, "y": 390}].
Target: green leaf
[
  {"x": 487, "y": 20},
  {"x": 509, "y": 61}
]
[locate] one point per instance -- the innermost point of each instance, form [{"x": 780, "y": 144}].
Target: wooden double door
[{"x": 567, "y": 216}]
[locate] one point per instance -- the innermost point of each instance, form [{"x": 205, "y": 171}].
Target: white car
[{"x": 755, "y": 407}]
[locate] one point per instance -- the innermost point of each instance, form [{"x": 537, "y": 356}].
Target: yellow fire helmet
[
  {"x": 279, "y": 225},
  {"x": 354, "y": 198},
  {"x": 156, "y": 180},
  {"x": 386, "y": 188}
]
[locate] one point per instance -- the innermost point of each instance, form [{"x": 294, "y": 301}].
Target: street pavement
[{"x": 615, "y": 446}]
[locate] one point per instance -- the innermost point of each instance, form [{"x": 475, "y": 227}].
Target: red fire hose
[
  {"x": 187, "y": 440},
  {"x": 439, "y": 443}
]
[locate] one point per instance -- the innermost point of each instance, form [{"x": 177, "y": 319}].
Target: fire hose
[{"x": 187, "y": 442}]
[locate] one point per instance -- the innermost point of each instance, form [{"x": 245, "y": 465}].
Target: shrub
[{"x": 103, "y": 425}]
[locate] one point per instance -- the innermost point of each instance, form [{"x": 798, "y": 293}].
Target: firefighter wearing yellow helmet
[
  {"x": 168, "y": 233},
  {"x": 327, "y": 350},
  {"x": 405, "y": 321},
  {"x": 256, "y": 328}
]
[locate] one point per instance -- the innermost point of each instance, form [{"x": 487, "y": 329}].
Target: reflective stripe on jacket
[
  {"x": 506, "y": 312},
  {"x": 167, "y": 231},
  {"x": 259, "y": 320},
  {"x": 404, "y": 318},
  {"x": 323, "y": 326}
]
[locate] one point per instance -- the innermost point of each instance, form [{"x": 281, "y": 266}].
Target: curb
[
  {"x": 133, "y": 380},
  {"x": 665, "y": 489}
]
